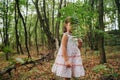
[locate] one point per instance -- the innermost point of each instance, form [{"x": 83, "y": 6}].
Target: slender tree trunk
[
  {"x": 96, "y": 40},
  {"x": 4, "y": 23},
  {"x": 16, "y": 22},
  {"x": 24, "y": 24},
  {"x": 48, "y": 14},
  {"x": 45, "y": 16},
  {"x": 118, "y": 9},
  {"x": 18, "y": 44},
  {"x": 96, "y": 35},
  {"x": 58, "y": 22},
  {"x": 36, "y": 36},
  {"x": 29, "y": 27},
  {"x": 64, "y": 3},
  {"x": 45, "y": 25},
  {"x": 26, "y": 11},
  {"x": 92, "y": 36},
  {"x": 53, "y": 17},
  {"x": 1, "y": 36},
  {"x": 90, "y": 33},
  {"x": 6, "y": 26},
  {"x": 3, "y": 19},
  {"x": 6, "y": 30},
  {"x": 21, "y": 50},
  {"x": 29, "y": 35},
  {"x": 30, "y": 32},
  {"x": 101, "y": 37}
]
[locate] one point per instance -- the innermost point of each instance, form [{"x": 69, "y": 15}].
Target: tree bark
[
  {"x": 1, "y": 36},
  {"x": 58, "y": 22},
  {"x": 101, "y": 36},
  {"x": 16, "y": 32},
  {"x": 5, "y": 27},
  {"x": 24, "y": 24},
  {"x": 18, "y": 44},
  {"x": 36, "y": 43},
  {"x": 45, "y": 25},
  {"x": 53, "y": 17},
  {"x": 90, "y": 34},
  {"x": 64, "y": 3},
  {"x": 118, "y": 8},
  {"x": 45, "y": 16}
]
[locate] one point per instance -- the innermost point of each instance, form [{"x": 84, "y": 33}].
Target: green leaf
[
  {"x": 7, "y": 49},
  {"x": 115, "y": 74},
  {"x": 99, "y": 68}
]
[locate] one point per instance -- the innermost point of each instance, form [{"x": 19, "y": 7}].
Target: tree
[
  {"x": 45, "y": 26},
  {"x": 36, "y": 36},
  {"x": 118, "y": 10},
  {"x": 6, "y": 27},
  {"x": 53, "y": 9},
  {"x": 58, "y": 22},
  {"x": 24, "y": 25},
  {"x": 101, "y": 35},
  {"x": 18, "y": 44}
]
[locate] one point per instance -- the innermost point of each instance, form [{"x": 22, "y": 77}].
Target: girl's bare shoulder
[{"x": 64, "y": 38}]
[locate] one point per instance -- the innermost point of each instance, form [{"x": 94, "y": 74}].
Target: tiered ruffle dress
[{"x": 74, "y": 56}]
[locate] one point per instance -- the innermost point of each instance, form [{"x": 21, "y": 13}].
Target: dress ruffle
[{"x": 74, "y": 56}]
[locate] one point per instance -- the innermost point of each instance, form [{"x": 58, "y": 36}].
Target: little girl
[{"x": 68, "y": 62}]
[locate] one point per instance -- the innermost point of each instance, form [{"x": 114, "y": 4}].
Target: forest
[{"x": 31, "y": 32}]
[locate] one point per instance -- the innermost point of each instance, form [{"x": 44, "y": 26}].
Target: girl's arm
[{"x": 64, "y": 46}]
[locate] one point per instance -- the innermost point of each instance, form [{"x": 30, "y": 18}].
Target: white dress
[{"x": 74, "y": 56}]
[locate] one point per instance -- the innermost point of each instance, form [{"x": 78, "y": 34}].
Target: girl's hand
[
  {"x": 68, "y": 64},
  {"x": 79, "y": 43}
]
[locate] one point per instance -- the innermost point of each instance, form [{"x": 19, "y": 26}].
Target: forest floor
[{"x": 93, "y": 69}]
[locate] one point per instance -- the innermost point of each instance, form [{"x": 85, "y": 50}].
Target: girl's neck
[{"x": 69, "y": 32}]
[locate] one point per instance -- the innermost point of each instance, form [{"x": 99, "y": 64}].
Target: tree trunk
[
  {"x": 29, "y": 27},
  {"x": 18, "y": 44},
  {"x": 36, "y": 43},
  {"x": 1, "y": 36},
  {"x": 24, "y": 24},
  {"x": 96, "y": 35},
  {"x": 45, "y": 25},
  {"x": 29, "y": 35},
  {"x": 45, "y": 16},
  {"x": 90, "y": 33},
  {"x": 58, "y": 22},
  {"x": 16, "y": 32},
  {"x": 101, "y": 37},
  {"x": 5, "y": 28},
  {"x": 118, "y": 8},
  {"x": 53, "y": 17},
  {"x": 64, "y": 3}
]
